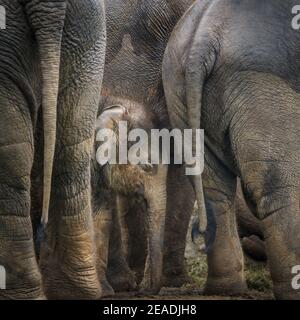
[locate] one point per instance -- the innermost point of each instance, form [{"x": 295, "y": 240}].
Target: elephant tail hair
[
  {"x": 210, "y": 233},
  {"x": 47, "y": 20}
]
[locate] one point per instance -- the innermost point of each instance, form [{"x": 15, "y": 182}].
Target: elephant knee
[
  {"x": 15, "y": 179},
  {"x": 274, "y": 204},
  {"x": 73, "y": 164}
]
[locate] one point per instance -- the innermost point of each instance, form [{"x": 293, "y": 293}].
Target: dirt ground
[{"x": 257, "y": 275}]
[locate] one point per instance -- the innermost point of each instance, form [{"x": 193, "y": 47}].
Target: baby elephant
[{"x": 120, "y": 184}]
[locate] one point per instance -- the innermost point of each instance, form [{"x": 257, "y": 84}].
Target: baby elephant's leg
[{"x": 155, "y": 192}]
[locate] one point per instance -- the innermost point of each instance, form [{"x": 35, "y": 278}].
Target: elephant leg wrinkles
[
  {"x": 17, "y": 255},
  {"x": 225, "y": 257}
]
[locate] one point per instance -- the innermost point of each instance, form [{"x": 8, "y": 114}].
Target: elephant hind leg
[
  {"x": 281, "y": 232},
  {"x": 17, "y": 256},
  {"x": 225, "y": 257},
  {"x": 180, "y": 204},
  {"x": 266, "y": 147}
]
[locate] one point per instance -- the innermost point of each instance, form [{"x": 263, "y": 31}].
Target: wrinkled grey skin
[
  {"x": 51, "y": 67},
  {"x": 132, "y": 77},
  {"x": 247, "y": 222},
  {"x": 249, "y": 229},
  {"x": 235, "y": 64}
]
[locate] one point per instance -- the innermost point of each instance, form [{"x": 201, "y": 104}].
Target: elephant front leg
[
  {"x": 136, "y": 222},
  {"x": 281, "y": 231},
  {"x": 19, "y": 274},
  {"x": 103, "y": 227},
  {"x": 225, "y": 257},
  {"x": 155, "y": 191},
  {"x": 119, "y": 274},
  {"x": 122, "y": 210},
  {"x": 180, "y": 205},
  {"x": 68, "y": 255}
]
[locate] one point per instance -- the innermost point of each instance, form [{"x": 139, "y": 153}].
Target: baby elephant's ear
[{"x": 111, "y": 115}]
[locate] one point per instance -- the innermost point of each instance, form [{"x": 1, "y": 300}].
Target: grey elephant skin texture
[
  {"x": 232, "y": 68},
  {"x": 132, "y": 79},
  {"x": 51, "y": 69}
]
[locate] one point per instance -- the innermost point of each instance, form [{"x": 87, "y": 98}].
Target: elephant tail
[
  {"x": 200, "y": 63},
  {"x": 47, "y": 20},
  {"x": 210, "y": 234}
]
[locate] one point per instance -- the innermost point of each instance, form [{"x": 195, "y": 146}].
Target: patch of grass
[
  {"x": 258, "y": 276},
  {"x": 197, "y": 269}
]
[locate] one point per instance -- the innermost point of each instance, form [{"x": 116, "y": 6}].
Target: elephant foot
[
  {"x": 148, "y": 289},
  {"x": 21, "y": 286},
  {"x": 69, "y": 272},
  {"x": 174, "y": 270},
  {"x": 20, "y": 277},
  {"x": 123, "y": 282},
  {"x": 233, "y": 286},
  {"x": 106, "y": 289},
  {"x": 173, "y": 280},
  {"x": 24, "y": 294},
  {"x": 64, "y": 283},
  {"x": 284, "y": 291}
]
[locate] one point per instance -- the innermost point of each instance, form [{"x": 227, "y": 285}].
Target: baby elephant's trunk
[{"x": 47, "y": 21}]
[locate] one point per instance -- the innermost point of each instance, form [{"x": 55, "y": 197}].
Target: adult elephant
[
  {"x": 235, "y": 65},
  {"x": 51, "y": 67},
  {"x": 132, "y": 78}
]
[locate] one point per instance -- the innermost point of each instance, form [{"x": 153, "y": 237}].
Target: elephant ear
[{"x": 110, "y": 115}]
